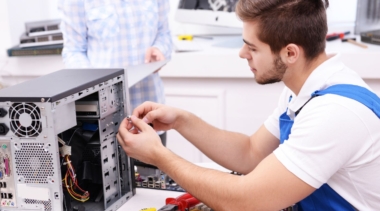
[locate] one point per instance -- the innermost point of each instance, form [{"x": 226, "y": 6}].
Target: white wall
[
  {"x": 21, "y": 11},
  {"x": 5, "y": 38},
  {"x": 341, "y": 15},
  {"x": 14, "y": 14}
]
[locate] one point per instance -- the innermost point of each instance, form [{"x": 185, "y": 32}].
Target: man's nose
[{"x": 243, "y": 53}]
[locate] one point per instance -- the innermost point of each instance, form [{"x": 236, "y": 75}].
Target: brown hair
[{"x": 281, "y": 22}]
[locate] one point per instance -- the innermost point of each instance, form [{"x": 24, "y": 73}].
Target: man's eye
[{"x": 252, "y": 49}]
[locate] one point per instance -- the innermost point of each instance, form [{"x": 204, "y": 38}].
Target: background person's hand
[
  {"x": 153, "y": 54},
  {"x": 161, "y": 116},
  {"x": 144, "y": 145}
]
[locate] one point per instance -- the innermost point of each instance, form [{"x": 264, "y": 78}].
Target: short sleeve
[
  {"x": 321, "y": 142},
  {"x": 272, "y": 122}
]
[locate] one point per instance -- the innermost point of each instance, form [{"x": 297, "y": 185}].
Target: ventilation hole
[
  {"x": 47, "y": 204},
  {"x": 34, "y": 163}
]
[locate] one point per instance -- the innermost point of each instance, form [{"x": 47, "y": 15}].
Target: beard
[{"x": 275, "y": 74}]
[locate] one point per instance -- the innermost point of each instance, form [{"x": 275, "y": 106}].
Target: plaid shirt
[{"x": 116, "y": 33}]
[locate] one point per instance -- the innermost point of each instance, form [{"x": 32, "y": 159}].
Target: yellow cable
[{"x": 71, "y": 194}]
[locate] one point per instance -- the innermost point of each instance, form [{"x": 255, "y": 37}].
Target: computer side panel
[{"x": 116, "y": 167}]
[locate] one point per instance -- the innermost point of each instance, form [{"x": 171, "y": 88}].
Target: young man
[{"x": 319, "y": 150}]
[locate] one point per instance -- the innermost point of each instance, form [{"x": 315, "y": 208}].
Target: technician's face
[{"x": 268, "y": 68}]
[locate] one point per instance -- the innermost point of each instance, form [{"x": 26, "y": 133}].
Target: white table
[{"x": 147, "y": 198}]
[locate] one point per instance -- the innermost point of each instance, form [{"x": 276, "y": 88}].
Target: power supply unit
[{"x": 55, "y": 158}]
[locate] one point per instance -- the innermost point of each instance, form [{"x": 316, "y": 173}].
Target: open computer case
[{"x": 58, "y": 147}]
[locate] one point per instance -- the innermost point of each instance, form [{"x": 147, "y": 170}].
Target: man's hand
[
  {"x": 153, "y": 54},
  {"x": 162, "y": 117},
  {"x": 143, "y": 144}
]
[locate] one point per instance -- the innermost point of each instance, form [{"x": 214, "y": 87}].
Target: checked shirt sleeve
[
  {"x": 74, "y": 31},
  {"x": 163, "y": 39}
]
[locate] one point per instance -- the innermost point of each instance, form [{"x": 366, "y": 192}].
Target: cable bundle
[{"x": 71, "y": 183}]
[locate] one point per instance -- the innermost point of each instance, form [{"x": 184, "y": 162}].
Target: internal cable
[{"x": 71, "y": 183}]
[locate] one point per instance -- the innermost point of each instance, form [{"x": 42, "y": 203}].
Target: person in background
[
  {"x": 107, "y": 34},
  {"x": 319, "y": 150}
]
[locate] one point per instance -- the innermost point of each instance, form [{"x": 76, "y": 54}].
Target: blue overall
[{"x": 325, "y": 198}]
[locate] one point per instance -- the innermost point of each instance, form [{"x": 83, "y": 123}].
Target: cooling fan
[{"x": 25, "y": 119}]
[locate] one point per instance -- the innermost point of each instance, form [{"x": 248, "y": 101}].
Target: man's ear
[{"x": 290, "y": 54}]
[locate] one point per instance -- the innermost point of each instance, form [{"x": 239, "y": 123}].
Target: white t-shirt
[{"x": 334, "y": 139}]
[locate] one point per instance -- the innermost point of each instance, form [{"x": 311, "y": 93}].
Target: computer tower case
[{"x": 58, "y": 147}]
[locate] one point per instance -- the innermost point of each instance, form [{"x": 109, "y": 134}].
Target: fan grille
[
  {"x": 25, "y": 119},
  {"x": 34, "y": 163}
]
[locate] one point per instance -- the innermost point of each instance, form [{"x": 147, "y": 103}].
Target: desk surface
[{"x": 146, "y": 198}]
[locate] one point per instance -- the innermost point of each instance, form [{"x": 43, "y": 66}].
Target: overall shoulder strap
[{"x": 358, "y": 93}]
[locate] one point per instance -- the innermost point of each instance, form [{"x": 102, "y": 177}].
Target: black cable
[
  {"x": 72, "y": 136},
  {"x": 64, "y": 203}
]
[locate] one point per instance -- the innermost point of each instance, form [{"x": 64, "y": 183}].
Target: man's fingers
[
  {"x": 153, "y": 54},
  {"x": 144, "y": 109},
  {"x": 158, "y": 55},
  {"x": 120, "y": 140},
  {"x": 141, "y": 124},
  {"x": 151, "y": 116},
  {"x": 148, "y": 55},
  {"x": 126, "y": 124},
  {"x": 126, "y": 128},
  {"x": 153, "y": 57}
]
